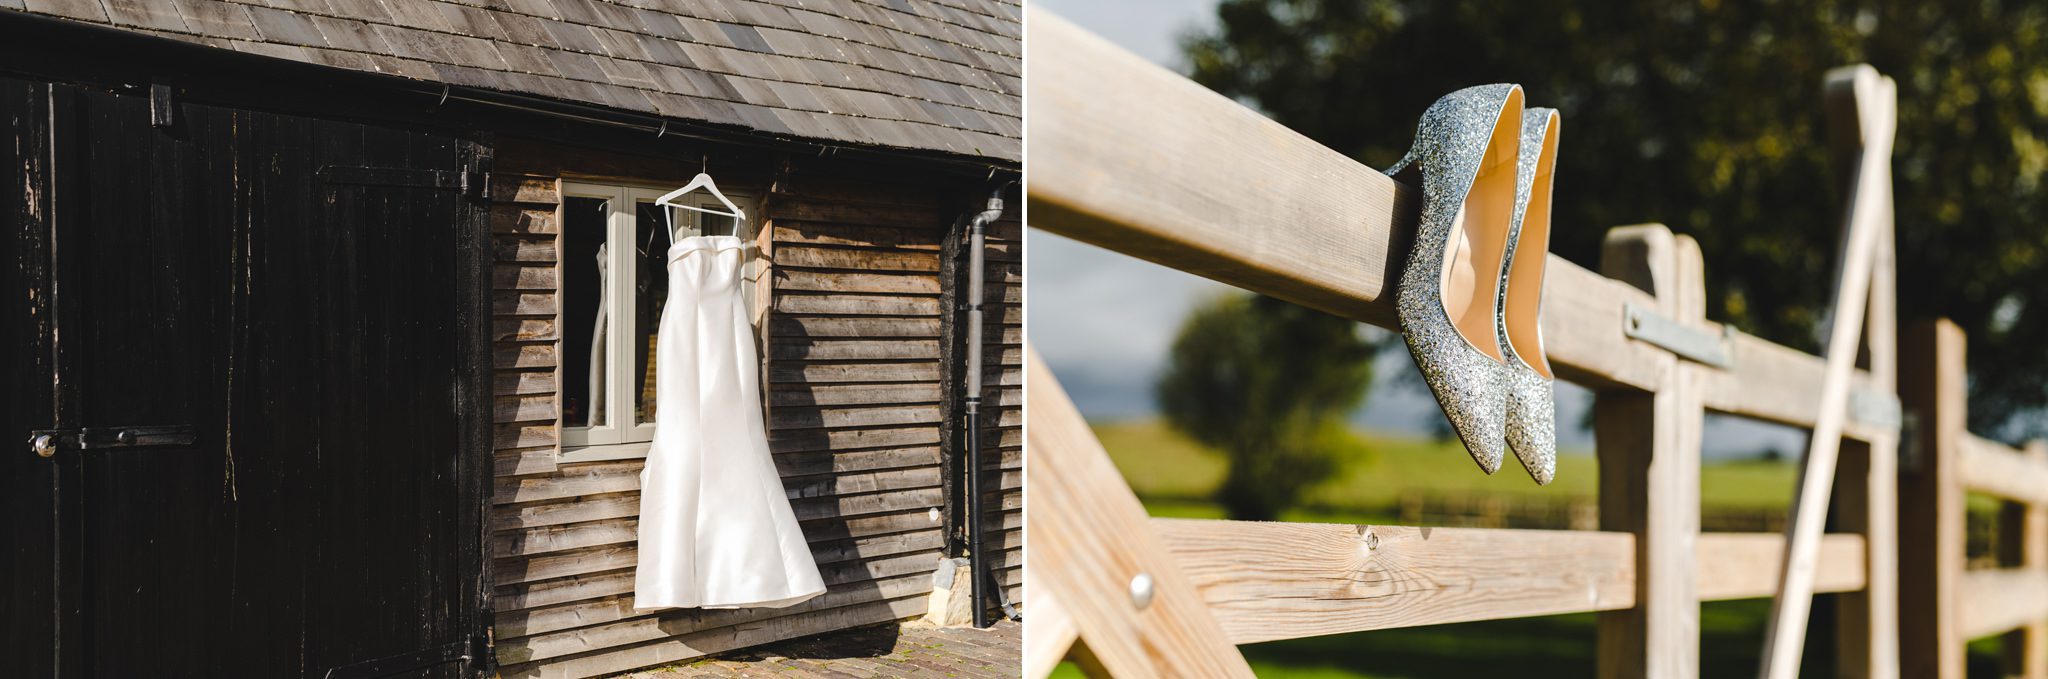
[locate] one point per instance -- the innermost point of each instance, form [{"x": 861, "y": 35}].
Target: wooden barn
[{"x": 316, "y": 369}]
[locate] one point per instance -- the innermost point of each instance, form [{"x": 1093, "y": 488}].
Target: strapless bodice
[
  {"x": 708, "y": 244},
  {"x": 707, "y": 264}
]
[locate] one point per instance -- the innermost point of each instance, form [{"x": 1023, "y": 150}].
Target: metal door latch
[
  {"x": 472, "y": 182},
  {"x": 46, "y": 442},
  {"x": 472, "y": 651}
]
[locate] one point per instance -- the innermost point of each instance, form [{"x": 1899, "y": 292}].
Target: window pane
[
  {"x": 650, "y": 295},
  {"x": 717, "y": 225},
  {"x": 583, "y": 338}
]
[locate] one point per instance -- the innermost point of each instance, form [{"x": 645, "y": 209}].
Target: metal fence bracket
[
  {"x": 1687, "y": 342},
  {"x": 1875, "y": 408}
]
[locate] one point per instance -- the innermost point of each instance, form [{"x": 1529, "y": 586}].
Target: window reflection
[
  {"x": 583, "y": 285},
  {"x": 650, "y": 295},
  {"x": 716, "y": 225}
]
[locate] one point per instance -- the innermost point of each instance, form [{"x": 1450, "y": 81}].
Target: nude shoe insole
[
  {"x": 1532, "y": 252},
  {"x": 1471, "y": 272}
]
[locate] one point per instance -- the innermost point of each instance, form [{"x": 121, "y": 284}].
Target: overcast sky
[{"x": 1104, "y": 321}]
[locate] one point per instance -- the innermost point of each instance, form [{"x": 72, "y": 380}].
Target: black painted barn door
[{"x": 268, "y": 404}]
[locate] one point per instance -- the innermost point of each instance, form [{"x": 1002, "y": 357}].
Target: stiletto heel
[
  {"x": 1531, "y": 421},
  {"x": 1466, "y": 150}
]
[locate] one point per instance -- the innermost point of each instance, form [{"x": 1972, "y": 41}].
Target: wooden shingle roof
[{"x": 938, "y": 75}]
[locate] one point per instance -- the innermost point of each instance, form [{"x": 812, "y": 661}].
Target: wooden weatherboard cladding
[{"x": 855, "y": 384}]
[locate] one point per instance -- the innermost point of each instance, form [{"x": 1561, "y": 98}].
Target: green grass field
[{"x": 1175, "y": 476}]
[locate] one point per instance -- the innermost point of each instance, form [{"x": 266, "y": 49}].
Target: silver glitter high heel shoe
[
  {"x": 1531, "y": 422},
  {"x": 1466, "y": 150}
]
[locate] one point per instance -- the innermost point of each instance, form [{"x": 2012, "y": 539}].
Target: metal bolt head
[
  {"x": 125, "y": 437},
  {"x": 1141, "y": 591},
  {"x": 45, "y": 445}
]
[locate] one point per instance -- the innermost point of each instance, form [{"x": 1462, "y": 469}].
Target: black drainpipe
[{"x": 984, "y": 577}]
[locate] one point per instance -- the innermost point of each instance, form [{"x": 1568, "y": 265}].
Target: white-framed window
[{"x": 613, "y": 283}]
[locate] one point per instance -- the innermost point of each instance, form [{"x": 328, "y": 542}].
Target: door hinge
[
  {"x": 163, "y": 106},
  {"x": 47, "y": 442},
  {"x": 470, "y": 650},
  {"x": 476, "y": 184},
  {"x": 473, "y": 183}
]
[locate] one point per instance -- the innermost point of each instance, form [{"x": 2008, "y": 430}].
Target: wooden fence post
[
  {"x": 1649, "y": 449},
  {"x": 2023, "y": 543},
  {"x": 1866, "y": 482},
  {"x": 1932, "y": 392}
]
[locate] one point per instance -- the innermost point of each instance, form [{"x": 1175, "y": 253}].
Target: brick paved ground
[{"x": 886, "y": 652}]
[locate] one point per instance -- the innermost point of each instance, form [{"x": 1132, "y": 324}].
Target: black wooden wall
[{"x": 27, "y": 540}]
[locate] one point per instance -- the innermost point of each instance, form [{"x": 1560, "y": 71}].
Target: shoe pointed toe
[
  {"x": 1471, "y": 388},
  {"x": 1532, "y": 424},
  {"x": 1485, "y": 448}
]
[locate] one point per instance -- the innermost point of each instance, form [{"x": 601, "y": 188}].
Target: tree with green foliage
[
  {"x": 1269, "y": 383},
  {"x": 1707, "y": 116}
]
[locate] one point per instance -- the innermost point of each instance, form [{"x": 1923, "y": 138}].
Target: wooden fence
[
  {"x": 1130, "y": 157},
  {"x": 1947, "y": 605}
]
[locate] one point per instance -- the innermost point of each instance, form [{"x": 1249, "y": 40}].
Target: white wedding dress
[{"x": 716, "y": 530}]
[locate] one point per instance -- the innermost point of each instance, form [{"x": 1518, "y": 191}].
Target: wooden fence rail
[{"x": 1135, "y": 159}]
